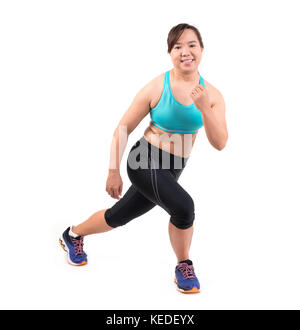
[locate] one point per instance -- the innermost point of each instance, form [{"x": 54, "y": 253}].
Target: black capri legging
[{"x": 153, "y": 173}]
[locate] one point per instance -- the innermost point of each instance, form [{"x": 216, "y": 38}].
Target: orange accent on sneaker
[
  {"x": 83, "y": 263},
  {"x": 61, "y": 244}
]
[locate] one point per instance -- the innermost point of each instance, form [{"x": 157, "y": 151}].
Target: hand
[
  {"x": 114, "y": 185},
  {"x": 200, "y": 97}
]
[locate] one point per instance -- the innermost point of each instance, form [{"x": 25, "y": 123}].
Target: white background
[{"x": 69, "y": 71}]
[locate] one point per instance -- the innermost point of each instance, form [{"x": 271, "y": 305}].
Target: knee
[
  {"x": 109, "y": 219},
  {"x": 183, "y": 217},
  {"x": 113, "y": 219}
]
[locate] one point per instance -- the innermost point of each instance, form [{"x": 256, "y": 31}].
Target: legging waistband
[{"x": 145, "y": 152}]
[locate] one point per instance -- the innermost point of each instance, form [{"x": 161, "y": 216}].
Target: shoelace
[
  {"x": 78, "y": 244},
  {"x": 187, "y": 270}
]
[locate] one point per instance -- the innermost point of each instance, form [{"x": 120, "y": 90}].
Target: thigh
[
  {"x": 170, "y": 194},
  {"x": 132, "y": 205},
  {"x": 156, "y": 183},
  {"x": 160, "y": 186}
]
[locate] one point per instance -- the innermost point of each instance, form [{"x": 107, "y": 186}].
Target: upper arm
[
  {"x": 219, "y": 109},
  {"x": 219, "y": 102},
  {"x": 138, "y": 109}
]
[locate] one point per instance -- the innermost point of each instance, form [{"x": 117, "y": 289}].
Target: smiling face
[{"x": 186, "y": 54}]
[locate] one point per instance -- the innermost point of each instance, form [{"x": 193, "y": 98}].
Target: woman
[{"x": 180, "y": 102}]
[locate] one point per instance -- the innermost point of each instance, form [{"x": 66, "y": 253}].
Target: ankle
[{"x": 73, "y": 231}]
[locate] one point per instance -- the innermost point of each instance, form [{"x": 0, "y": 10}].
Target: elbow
[
  {"x": 222, "y": 144},
  {"x": 220, "y": 147},
  {"x": 122, "y": 130}
]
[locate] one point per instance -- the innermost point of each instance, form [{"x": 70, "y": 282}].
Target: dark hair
[{"x": 177, "y": 31}]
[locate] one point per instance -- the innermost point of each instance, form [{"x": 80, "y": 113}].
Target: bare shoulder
[
  {"x": 214, "y": 94},
  {"x": 149, "y": 91},
  {"x": 155, "y": 82},
  {"x": 158, "y": 79},
  {"x": 140, "y": 106},
  {"x": 156, "y": 86}
]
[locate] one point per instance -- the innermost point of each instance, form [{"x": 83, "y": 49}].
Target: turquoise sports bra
[{"x": 172, "y": 116}]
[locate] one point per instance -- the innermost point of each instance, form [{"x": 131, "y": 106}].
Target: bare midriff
[{"x": 175, "y": 143}]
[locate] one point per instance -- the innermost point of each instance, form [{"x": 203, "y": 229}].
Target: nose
[{"x": 185, "y": 51}]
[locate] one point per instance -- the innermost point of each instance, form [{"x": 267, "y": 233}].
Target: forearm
[
  {"x": 215, "y": 129},
  {"x": 118, "y": 146}
]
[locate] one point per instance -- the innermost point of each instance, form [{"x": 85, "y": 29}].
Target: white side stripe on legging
[{"x": 153, "y": 186}]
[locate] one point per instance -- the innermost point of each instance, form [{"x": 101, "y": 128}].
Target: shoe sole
[
  {"x": 194, "y": 290},
  {"x": 65, "y": 248}
]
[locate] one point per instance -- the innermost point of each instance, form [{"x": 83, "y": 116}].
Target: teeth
[{"x": 187, "y": 61}]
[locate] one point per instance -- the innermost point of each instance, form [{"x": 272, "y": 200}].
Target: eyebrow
[{"x": 179, "y": 43}]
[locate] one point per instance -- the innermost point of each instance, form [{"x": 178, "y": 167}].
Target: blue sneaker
[
  {"x": 185, "y": 278},
  {"x": 74, "y": 248}
]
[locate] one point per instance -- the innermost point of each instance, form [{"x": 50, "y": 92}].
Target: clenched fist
[{"x": 200, "y": 97}]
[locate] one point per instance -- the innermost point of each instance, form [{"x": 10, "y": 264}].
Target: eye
[{"x": 177, "y": 47}]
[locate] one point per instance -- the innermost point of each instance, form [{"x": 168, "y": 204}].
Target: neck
[{"x": 187, "y": 77}]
